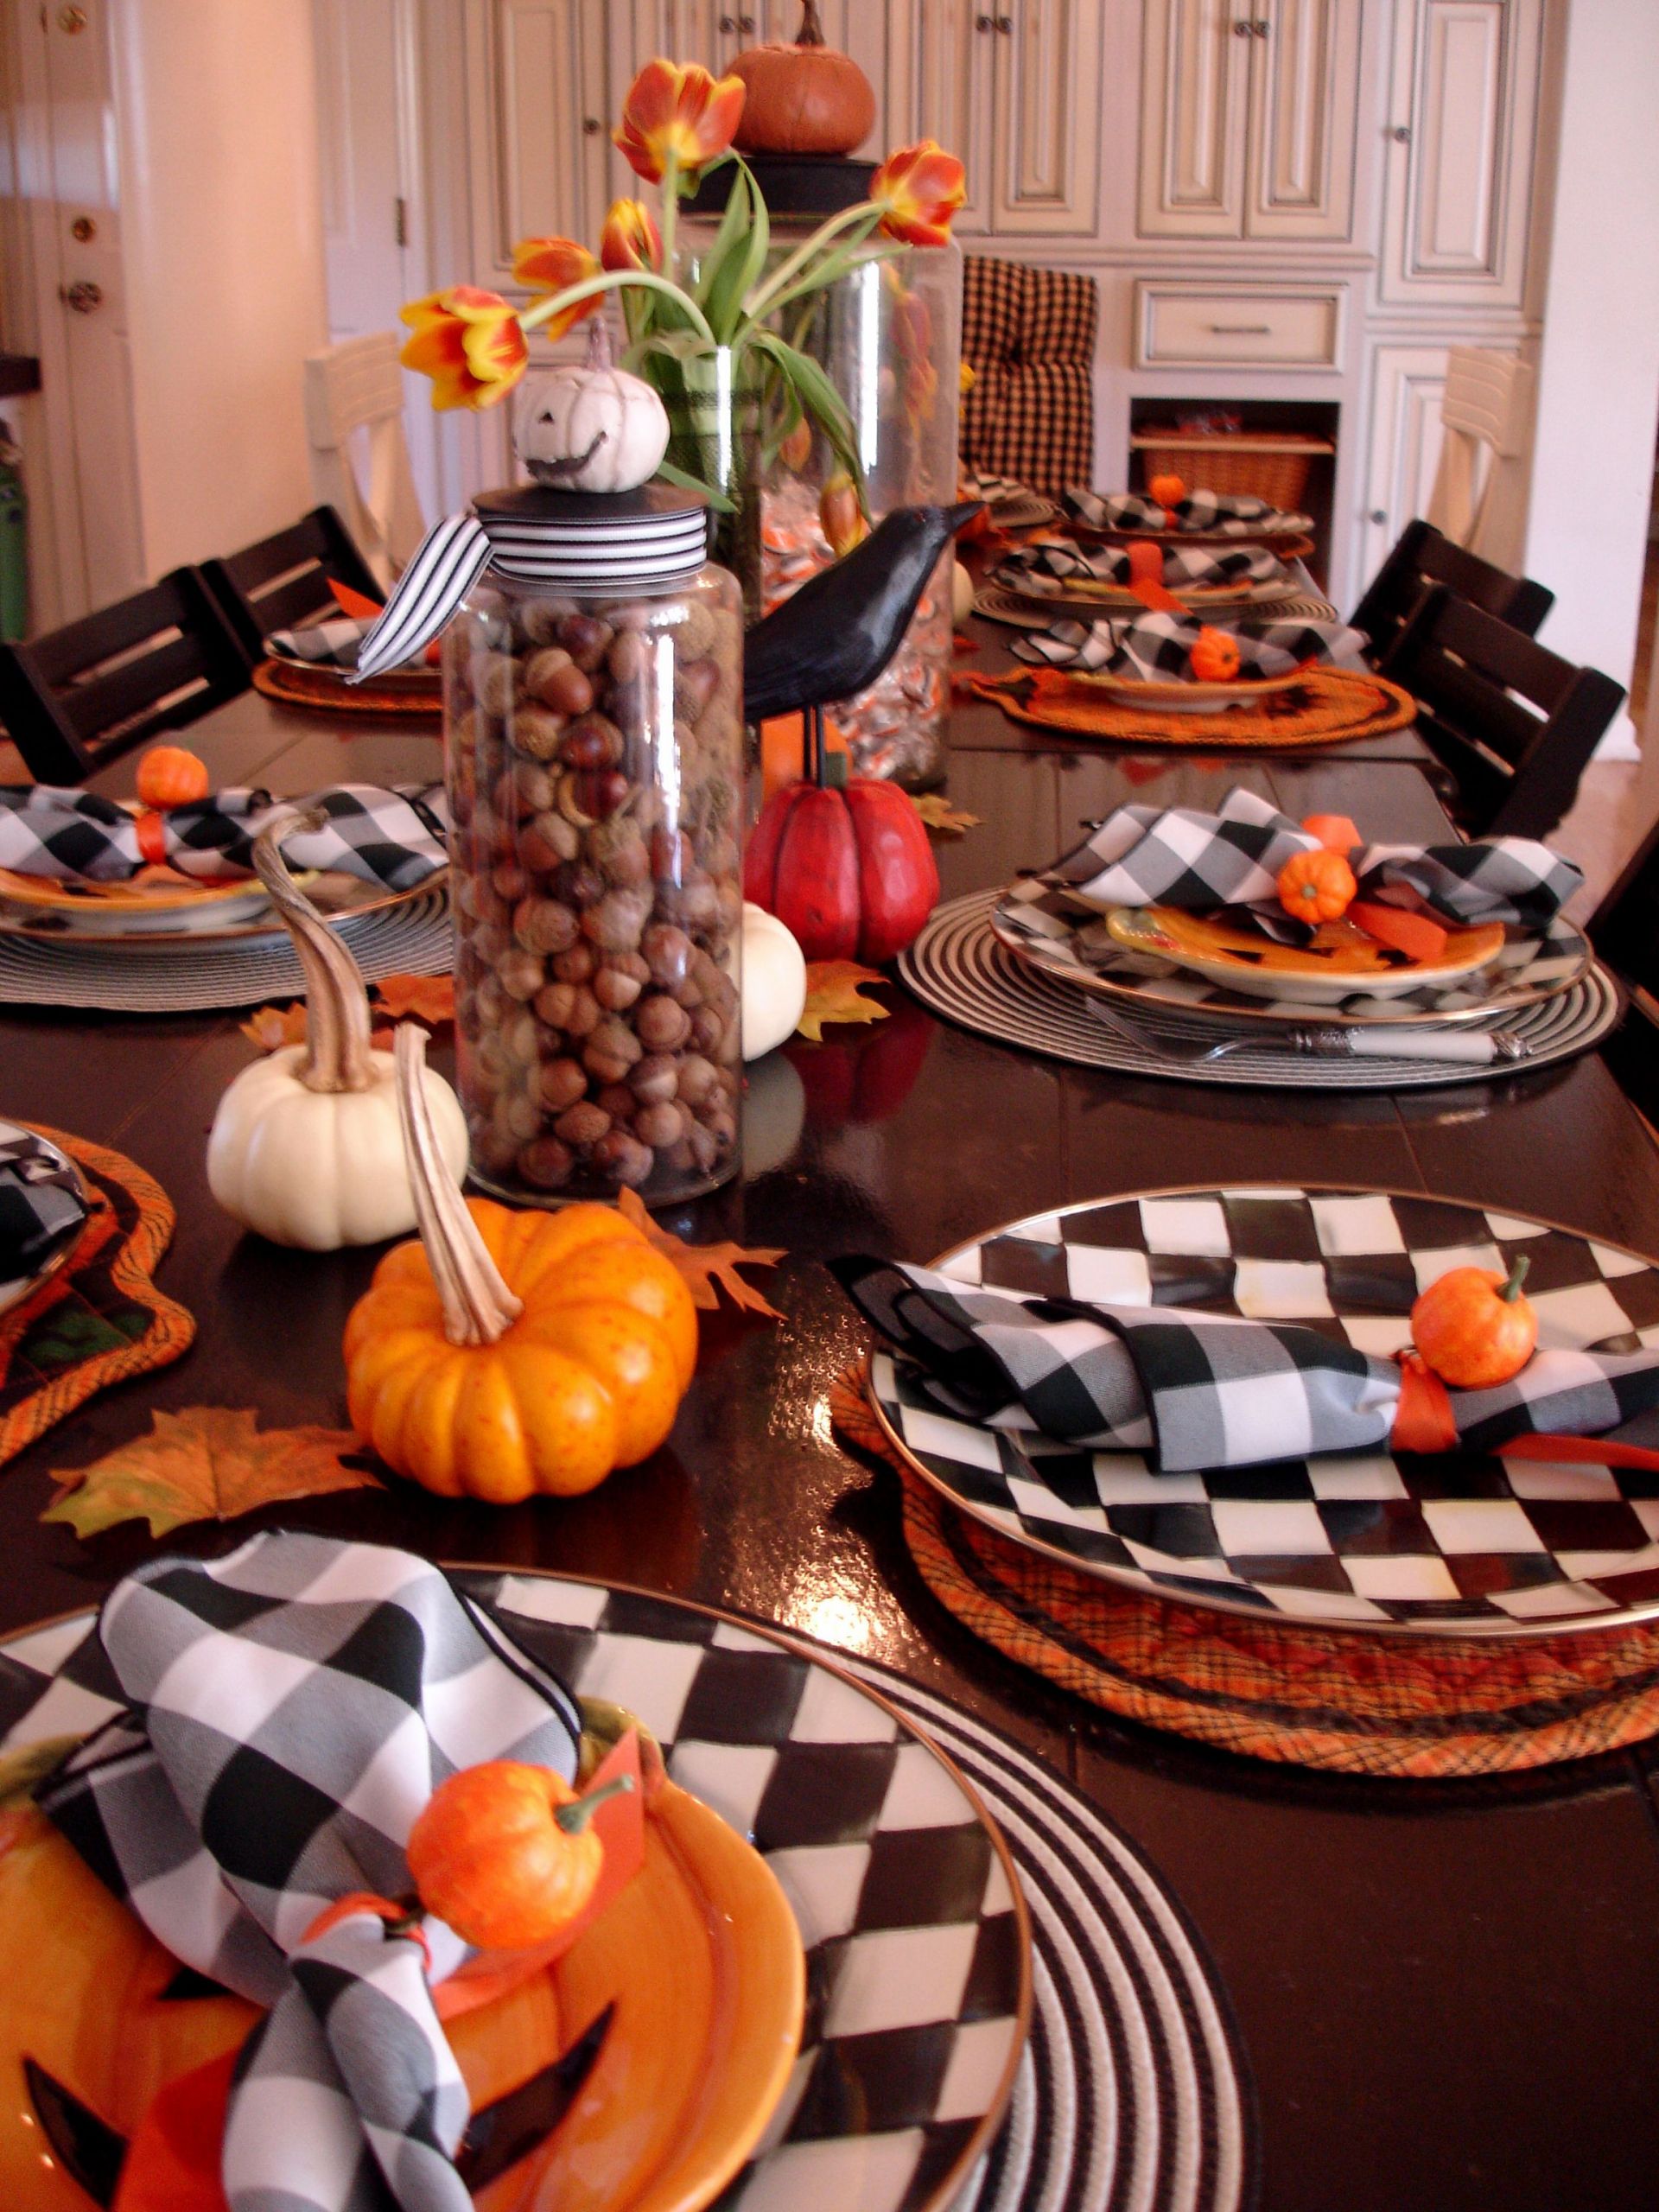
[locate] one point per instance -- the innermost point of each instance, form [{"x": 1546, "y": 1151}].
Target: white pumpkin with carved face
[{"x": 592, "y": 429}]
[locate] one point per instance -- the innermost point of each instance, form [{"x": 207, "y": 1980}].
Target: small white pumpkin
[
  {"x": 962, "y": 593},
  {"x": 592, "y": 429},
  {"x": 774, "y": 981},
  {"x": 306, "y": 1147}
]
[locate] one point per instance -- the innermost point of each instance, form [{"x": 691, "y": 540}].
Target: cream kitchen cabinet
[
  {"x": 1015, "y": 90},
  {"x": 1248, "y": 114},
  {"x": 1457, "y": 191},
  {"x": 1407, "y": 384},
  {"x": 539, "y": 126}
]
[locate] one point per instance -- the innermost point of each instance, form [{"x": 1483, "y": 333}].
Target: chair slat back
[
  {"x": 354, "y": 395},
  {"x": 283, "y": 579},
  {"x": 1423, "y": 557}
]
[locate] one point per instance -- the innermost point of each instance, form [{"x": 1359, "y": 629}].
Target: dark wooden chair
[
  {"x": 1422, "y": 558},
  {"x": 1513, "y": 722},
  {"x": 283, "y": 581},
  {"x": 1625, "y": 930},
  {"x": 87, "y": 693}
]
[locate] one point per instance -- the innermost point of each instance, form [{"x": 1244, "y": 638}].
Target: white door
[
  {"x": 1195, "y": 86},
  {"x": 941, "y": 67},
  {"x": 365, "y": 206},
  {"x": 1407, "y": 384},
  {"x": 1047, "y": 172},
  {"x": 1303, "y": 110}
]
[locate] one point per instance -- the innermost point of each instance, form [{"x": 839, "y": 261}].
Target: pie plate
[
  {"x": 1456, "y": 1543},
  {"x": 803, "y": 1814},
  {"x": 1340, "y": 961}
]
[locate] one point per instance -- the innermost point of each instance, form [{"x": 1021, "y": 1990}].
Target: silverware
[{"x": 1475, "y": 1047}]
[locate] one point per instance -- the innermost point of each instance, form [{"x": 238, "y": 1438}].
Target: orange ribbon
[
  {"x": 1422, "y": 1421},
  {"x": 152, "y": 838}
]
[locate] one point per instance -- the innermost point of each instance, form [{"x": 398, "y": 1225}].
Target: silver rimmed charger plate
[
  {"x": 959, "y": 968},
  {"x": 1451, "y": 1544},
  {"x": 1072, "y": 942},
  {"x": 1127, "y": 2095}
]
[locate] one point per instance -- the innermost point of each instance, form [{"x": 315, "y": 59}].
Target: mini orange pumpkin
[
  {"x": 1168, "y": 491},
  {"x": 529, "y": 1353},
  {"x": 507, "y": 1854},
  {"x": 1214, "y": 657},
  {"x": 1474, "y": 1328},
  {"x": 170, "y": 776},
  {"x": 1316, "y": 887},
  {"x": 1334, "y": 831}
]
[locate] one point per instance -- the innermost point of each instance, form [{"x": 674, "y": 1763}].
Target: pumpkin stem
[
  {"x": 477, "y": 1308},
  {"x": 600, "y": 355},
  {"x": 1511, "y": 1290},
  {"x": 337, "y": 1051},
  {"x": 811, "y": 30},
  {"x": 574, "y": 1817}
]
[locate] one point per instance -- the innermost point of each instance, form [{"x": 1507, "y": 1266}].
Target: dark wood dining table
[{"x": 1444, "y": 1992}]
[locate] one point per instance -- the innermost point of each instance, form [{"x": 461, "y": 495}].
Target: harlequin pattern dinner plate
[{"x": 1450, "y": 1544}]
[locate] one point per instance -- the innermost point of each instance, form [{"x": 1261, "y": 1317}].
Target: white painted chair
[
  {"x": 354, "y": 398},
  {"x": 1480, "y": 488}
]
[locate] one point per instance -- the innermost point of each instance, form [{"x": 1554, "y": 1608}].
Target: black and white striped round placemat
[
  {"x": 1132, "y": 2096},
  {"x": 412, "y": 938},
  {"x": 958, "y": 968}
]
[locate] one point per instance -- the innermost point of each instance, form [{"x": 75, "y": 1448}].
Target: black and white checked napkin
[
  {"x": 1157, "y": 647},
  {"x": 1179, "y": 856},
  {"x": 332, "y": 644},
  {"x": 395, "y": 835},
  {"x": 1046, "y": 565},
  {"x": 292, "y": 1708},
  {"x": 1227, "y": 514},
  {"x": 1193, "y": 1390}
]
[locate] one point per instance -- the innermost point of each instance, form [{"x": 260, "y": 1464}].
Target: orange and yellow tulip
[
  {"x": 918, "y": 189},
  {"x": 470, "y": 344},
  {"x": 676, "y": 111},
  {"x": 548, "y": 265},
  {"x": 630, "y": 239}
]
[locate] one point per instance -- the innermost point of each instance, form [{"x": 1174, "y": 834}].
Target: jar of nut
[{"x": 593, "y": 721}]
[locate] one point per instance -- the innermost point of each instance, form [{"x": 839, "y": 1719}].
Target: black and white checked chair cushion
[{"x": 1029, "y": 335}]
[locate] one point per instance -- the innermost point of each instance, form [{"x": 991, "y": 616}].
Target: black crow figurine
[{"x": 840, "y": 630}]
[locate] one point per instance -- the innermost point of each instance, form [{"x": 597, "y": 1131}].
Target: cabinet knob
[
  {"x": 1400, "y": 134},
  {"x": 1377, "y": 515},
  {"x": 1243, "y": 28},
  {"x": 728, "y": 24},
  {"x": 82, "y": 296},
  {"x": 591, "y": 126},
  {"x": 1005, "y": 24},
  {"x": 983, "y": 23},
  {"x": 1260, "y": 26}
]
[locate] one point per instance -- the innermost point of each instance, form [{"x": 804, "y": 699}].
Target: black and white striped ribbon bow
[
  {"x": 1228, "y": 514},
  {"x": 1046, "y": 564},
  {"x": 1179, "y": 857},
  {"x": 1194, "y": 1390},
  {"x": 396, "y": 836},
  {"x": 292, "y": 1708},
  {"x": 1157, "y": 647}
]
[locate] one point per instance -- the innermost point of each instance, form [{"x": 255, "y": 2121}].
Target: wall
[
  {"x": 1599, "y": 358},
  {"x": 216, "y": 115}
]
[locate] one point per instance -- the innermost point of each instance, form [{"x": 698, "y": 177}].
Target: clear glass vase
[{"x": 713, "y": 402}]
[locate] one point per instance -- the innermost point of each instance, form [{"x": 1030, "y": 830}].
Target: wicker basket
[{"x": 1274, "y": 468}]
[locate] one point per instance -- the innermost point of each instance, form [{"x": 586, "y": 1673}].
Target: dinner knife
[{"x": 1478, "y": 1047}]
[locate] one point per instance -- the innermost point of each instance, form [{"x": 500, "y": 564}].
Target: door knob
[{"x": 82, "y": 296}]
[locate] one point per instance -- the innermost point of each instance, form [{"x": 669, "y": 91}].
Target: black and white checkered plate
[
  {"x": 1284, "y": 603},
  {"x": 1127, "y": 2096},
  {"x": 1455, "y": 1543},
  {"x": 42, "y": 1211},
  {"x": 1066, "y": 939}
]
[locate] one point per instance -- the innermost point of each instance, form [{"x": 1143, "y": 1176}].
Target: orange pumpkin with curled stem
[
  {"x": 1317, "y": 886},
  {"x": 170, "y": 776},
  {"x": 507, "y": 1854},
  {"x": 1168, "y": 491},
  {"x": 1214, "y": 657},
  {"x": 505, "y": 1355},
  {"x": 1474, "y": 1328}
]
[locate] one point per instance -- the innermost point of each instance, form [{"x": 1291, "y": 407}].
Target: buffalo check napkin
[
  {"x": 1224, "y": 514},
  {"x": 1196, "y": 1391},
  {"x": 396, "y": 836},
  {"x": 1179, "y": 857},
  {"x": 292, "y": 1708},
  {"x": 332, "y": 644},
  {"x": 1047, "y": 565},
  {"x": 1157, "y": 647}
]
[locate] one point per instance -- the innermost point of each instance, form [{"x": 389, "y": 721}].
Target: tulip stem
[
  {"x": 671, "y": 190},
  {"x": 761, "y": 302},
  {"x": 614, "y": 280}
]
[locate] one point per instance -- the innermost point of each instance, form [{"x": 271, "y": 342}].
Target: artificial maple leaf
[
  {"x": 270, "y": 1027},
  {"x": 208, "y": 1463},
  {"x": 430, "y": 999},
  {"x": 705, "y": 1266},
  {"x": 832, "y": 995},
  {"x": 937, "y": 812}
]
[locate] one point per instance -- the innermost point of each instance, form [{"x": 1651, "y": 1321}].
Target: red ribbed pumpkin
[{"x": 850, "y": 873}]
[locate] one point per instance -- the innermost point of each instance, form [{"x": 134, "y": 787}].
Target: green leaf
[
  {"x": 688, "y": 482},
  {"x": 727, "y": 247},
  {"x": 743, "y": 264},
  {"x": 822, "y": 402}
]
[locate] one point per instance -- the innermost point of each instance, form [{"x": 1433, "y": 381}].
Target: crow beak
[{"x": 958, "y": 517}]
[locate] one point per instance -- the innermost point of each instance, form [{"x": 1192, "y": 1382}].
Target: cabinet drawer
[{"x": 1199, "y": 326}]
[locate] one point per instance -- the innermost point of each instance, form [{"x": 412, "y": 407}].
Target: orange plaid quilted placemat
[
  {"x": 101, "y": 1318},
  {"x": 1417, "y": 1708}
]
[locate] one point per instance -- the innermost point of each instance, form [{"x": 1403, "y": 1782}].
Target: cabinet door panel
[
  {"x": 1407, "y": 384},
  {"x": 1459, "y": 190},
  {"x": 546, "y": 151},
  {"x": 1047, "y": 109},
  {"x": 1304, "y": 103},
  {"x": 1195, "y": 73},
  {"x": 939, "y": 72}
]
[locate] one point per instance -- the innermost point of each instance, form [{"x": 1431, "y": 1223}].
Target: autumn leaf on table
[
  {"x": 270, "y": 1027},
  {"x": 833, "y": 995},
  {"x": 707, "y": 1268},
  {"x": 935, "y": 809},
  {"x": 430, "y": 999},
  {"x": 206, "y": 1464}
]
